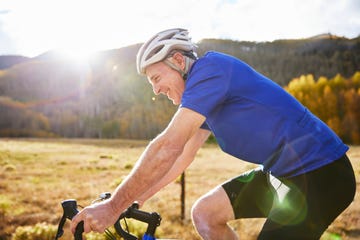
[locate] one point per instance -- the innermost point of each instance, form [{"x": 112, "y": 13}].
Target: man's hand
[{"x": 96, "y": 217}]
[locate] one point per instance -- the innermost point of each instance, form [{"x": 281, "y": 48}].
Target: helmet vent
[
  {"x": 168, "y": 36},
  {"x": 154, "y": 51}
]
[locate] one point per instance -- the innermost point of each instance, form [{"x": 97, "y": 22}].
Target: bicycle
[{"x": 152, "y": 219}]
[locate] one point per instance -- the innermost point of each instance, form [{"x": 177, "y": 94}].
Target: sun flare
[{"x": 76, "y": 54}]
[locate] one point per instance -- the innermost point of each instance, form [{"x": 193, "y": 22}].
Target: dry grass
[{"x": 37, "y": 174}]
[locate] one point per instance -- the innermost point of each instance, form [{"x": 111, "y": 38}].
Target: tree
[{"x": 335, "y": 101}]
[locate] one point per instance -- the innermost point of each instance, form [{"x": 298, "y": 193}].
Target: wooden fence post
[{"x": 182, "y": 197}]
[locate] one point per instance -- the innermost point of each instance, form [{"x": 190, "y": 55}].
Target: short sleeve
[
  {"x": 205, "y": 126},
  {"x": 206, "y": 87}
]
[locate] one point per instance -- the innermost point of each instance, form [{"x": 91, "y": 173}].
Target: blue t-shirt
[{"x": 256, "y": 120}]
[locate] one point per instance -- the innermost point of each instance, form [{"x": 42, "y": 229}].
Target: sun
[{"x": 76, "y": 29}]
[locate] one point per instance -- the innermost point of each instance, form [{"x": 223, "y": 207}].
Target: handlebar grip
[{"x": 79, "y": 231}]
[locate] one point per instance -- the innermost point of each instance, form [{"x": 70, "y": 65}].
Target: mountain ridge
[{"x": 9, "y": 60}]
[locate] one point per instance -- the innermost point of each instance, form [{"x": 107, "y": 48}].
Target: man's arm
[
  {"x": 183, "y": 161},
  {"x": 158, "y": 158},
  {"x": 155, "y": 162}
]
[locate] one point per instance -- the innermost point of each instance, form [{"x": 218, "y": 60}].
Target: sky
[{"x": 80, "y": 27}]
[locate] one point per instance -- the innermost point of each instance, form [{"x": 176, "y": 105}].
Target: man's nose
[{"x": 156, "y": 89}]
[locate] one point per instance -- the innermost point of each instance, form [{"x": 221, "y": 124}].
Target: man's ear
[{"x": 179, "y": 60}]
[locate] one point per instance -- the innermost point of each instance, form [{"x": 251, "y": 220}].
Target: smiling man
[{"x": 304, "y": 180}]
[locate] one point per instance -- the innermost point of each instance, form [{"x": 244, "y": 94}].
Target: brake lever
[{"x": 70, "y": 210}]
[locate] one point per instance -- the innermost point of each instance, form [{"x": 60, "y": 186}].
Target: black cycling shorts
[{"x": 300, "y": 207}]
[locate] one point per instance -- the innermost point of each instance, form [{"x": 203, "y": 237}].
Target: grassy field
[{"x": 37, "y": 174}]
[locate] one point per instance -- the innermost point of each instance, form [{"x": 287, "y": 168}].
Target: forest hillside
[{"x": 49, "y": 95}]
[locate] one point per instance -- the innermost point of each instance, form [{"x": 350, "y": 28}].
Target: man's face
[{"x": 166, "y": 80}]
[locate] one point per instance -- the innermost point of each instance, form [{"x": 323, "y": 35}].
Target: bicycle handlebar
[{"x": 153, "y": 220}]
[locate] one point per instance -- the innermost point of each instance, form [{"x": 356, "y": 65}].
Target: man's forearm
[
  {"x": 171, "y": 175},
  {"x": 154, "y": 163},
  {"x": 181, "y": 163}
]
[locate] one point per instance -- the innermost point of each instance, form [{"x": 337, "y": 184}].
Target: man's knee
[
  {"x": 200, "y": 211},
  {"x": 213, "y": 208},
  {"x": 211, "y": 213}
]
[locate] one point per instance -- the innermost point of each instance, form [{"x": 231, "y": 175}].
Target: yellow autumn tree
[{"x": 336, "y": 101}]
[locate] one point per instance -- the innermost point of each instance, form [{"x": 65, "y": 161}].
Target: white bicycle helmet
[{"x": 161, "y": 45}]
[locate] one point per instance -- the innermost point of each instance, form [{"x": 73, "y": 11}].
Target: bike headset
[{"x": 164, "y": 45}]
